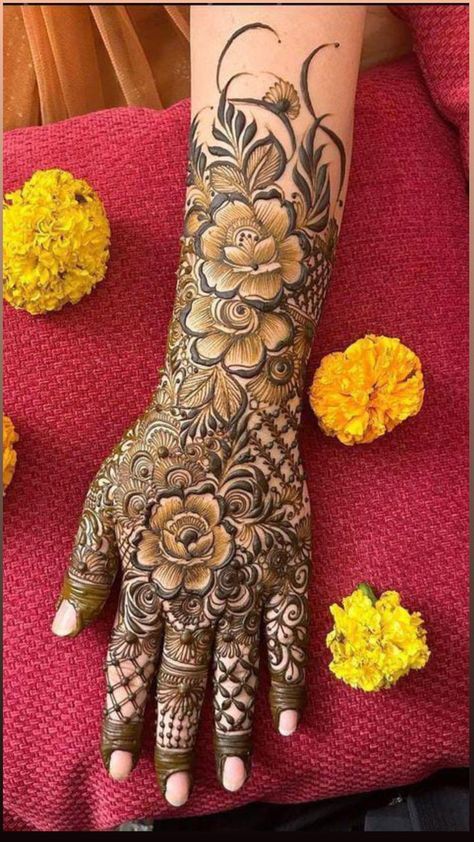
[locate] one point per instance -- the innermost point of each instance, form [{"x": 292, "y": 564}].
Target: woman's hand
[
  {"x": 203, "y": 503},
  {"x": 213, "y": 535}
]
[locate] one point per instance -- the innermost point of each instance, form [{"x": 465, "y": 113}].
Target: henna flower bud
[
  {"x": 374, "y": 642},
  {"x": 56, "y": 242},
  {"x": 10, "y": 436},
  {"x": 365, "y": 391},
  {"x": 284, "y": 97}
]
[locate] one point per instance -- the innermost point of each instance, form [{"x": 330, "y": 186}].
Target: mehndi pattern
[{"x": 204, "y": 500}]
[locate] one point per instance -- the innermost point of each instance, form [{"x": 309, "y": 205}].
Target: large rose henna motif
[
  {"x": 186, "y": 540},
  {"x": 235, "y": 333},
  {"x": 250, "y": 249}
]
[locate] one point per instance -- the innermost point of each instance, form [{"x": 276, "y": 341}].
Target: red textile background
[{"x": 393, "y": 513}]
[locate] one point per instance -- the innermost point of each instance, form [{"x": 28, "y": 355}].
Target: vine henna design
[{"x": 204, "y": 500}]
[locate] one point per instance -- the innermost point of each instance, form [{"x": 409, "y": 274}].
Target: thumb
[{"x": 91, "y": 572}]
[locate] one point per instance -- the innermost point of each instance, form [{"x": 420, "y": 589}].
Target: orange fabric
[{"x": 60, "y": 61}]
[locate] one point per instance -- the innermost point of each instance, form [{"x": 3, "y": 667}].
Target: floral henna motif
[
  {"x": 235, "y": 334},
  {"x": 186, "y": 541},
  {"x": 204, "y": 499},
  {"x": 249, "y": 249}
]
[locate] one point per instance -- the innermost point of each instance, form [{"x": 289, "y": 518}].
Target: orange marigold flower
[{"x": 365, "y": 391}]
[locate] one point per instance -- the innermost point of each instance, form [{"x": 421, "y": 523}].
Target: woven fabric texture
[
  {"x": 441, "y": 42},
  {"x": 393, "y": 512}
]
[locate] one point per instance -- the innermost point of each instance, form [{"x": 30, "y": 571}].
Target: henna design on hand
[{"x": 204, "y": 500}]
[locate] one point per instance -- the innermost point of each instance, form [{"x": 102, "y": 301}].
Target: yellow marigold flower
[
  {"x": 55, "y": 241},
  {"x": 10, "y": 436},
  {"x": 374, "y": 642},
  {"x": 365, "y": 391}
]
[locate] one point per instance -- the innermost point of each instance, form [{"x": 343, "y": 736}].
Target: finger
[
  {"x": 286, "y": 630},
  {"x": 90, "y": 576},
  {"x": 236, "y": 661},
  {"x": 129, "y": 670},
  {"x": 181, "y": 685}
]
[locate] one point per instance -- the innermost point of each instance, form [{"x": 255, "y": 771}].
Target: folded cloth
[
  {"x": 441, "y": 42},
  {"x": 393, "y": 513}
]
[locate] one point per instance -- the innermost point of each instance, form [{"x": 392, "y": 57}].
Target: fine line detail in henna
[{"x": 204, "y": 500}]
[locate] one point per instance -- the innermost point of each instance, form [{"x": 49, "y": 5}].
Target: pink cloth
[{"x": 393, "y": 513}]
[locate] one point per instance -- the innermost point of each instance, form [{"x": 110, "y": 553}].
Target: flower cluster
[
  {"x": 56, "y": 242},
  {"x": 365, "y": 391},
  {"x": 375, "y": 642},
  {"x": 249, "y": 255},
  {"x": 10, "y": 436}
]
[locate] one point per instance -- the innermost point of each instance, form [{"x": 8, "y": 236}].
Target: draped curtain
[{"x": 60, "y": 61}]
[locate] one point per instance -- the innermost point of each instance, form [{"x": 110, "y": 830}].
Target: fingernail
[
  {"x": 120, "y": 766},
  {"x": 234, "y": 774},
  {"x": 65, "y": 621},
  {"x": 177, "y": 789},
  {"x": 288, "y": 722}
]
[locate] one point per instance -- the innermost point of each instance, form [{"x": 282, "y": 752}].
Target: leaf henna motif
[
  {"x": 197, "y": 389},
  {"x": 227, "y": 178},
  {"x": 265, "y": 163},
  {"x": 213, "y": 387}
]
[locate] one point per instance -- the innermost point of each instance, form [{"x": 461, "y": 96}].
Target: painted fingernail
[
  {"x": 120, "y": 766},
  {"x": 288, "y": 722},
  {"x": 65, "y": 621},
  {"x": 177, "y": 789},
  {"x": 234, "y": 774}
]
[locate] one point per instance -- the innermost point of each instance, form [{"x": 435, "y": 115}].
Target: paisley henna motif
[{"x": 204, "y": 500}]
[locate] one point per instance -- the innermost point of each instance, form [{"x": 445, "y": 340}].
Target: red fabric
[
  {"x": 441, "y": 42},
  {"x": 393, "y": 513}
]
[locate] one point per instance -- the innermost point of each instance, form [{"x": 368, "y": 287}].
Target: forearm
[{"x": 269, "y": 157}]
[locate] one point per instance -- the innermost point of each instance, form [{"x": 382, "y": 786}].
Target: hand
[
  {"x": 209, "y": 543},
  {"x": 204, "y": 502}
]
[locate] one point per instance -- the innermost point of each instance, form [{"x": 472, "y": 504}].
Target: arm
[{"x": 204, "y": 501}]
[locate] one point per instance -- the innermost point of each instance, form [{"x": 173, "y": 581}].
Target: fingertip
[
  {"x": 288, "y": 722},
  {"x": 177, "y": 789},
  {"x": 65, "y": 622},
  {"x": 234, "y": 774},
  {"x": 120, "y": 766}
]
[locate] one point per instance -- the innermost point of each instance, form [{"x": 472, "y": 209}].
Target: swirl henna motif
[{"x": 204, "y": 500}]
